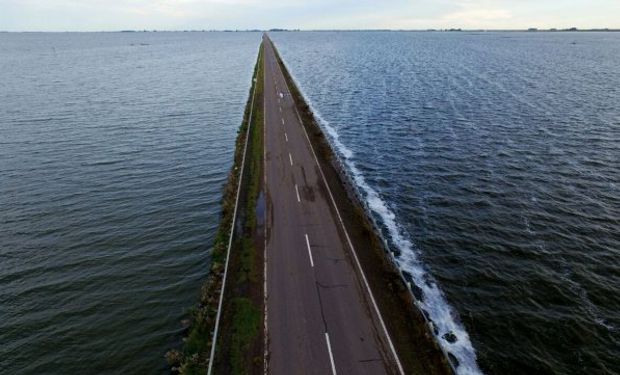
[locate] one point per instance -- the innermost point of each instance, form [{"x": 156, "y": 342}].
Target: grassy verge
[
  {"x": 239, "y": 346},
  {"x": 415, "y": 344}
]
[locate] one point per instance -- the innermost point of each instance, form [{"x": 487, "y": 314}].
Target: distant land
[{"x": 531, "y": 29}]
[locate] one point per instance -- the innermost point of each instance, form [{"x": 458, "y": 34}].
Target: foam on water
[{"x": 443, "y": 316}]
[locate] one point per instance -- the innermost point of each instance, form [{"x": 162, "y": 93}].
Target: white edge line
[
  {"x": 331, "y": 356},
  {"x": 297, "y": 192},
  {"x": 265, "y": 291},
  {"x": 230, "y": 237},
  {"x": 309, "y": 251},
  {"x": 357, "y": 262}
]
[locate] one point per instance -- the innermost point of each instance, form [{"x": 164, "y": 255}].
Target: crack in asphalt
[{"x": 332, "y": 286}]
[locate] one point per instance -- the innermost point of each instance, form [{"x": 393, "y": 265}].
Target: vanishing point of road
[{"x": 321, "y": 316}]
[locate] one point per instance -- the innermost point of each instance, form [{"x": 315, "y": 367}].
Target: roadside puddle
[{"x": 260, "y": 210}]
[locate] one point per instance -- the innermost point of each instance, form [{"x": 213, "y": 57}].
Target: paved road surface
[{"x": 320, "y": 319}]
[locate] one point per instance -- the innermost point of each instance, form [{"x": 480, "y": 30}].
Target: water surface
[{"x": 113, "y": 151}]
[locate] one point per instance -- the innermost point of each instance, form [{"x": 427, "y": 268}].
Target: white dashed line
[
  {"x": 290, "y": 158},
  {"x": 331, "y": 356},
  {"x": 312, "y": 264},
  {"x": 285, "y": 136},
  {"x": 297, "y": 192}
]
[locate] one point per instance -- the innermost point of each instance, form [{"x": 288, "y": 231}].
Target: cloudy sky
[{"x": 89, "y": 15}]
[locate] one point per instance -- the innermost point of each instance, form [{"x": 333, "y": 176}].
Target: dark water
[
  {"x": 113, "y": 152},
  {"x": 493, "y": 161}
]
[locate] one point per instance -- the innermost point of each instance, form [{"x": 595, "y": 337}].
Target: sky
[{"x": 110, "y": 15}]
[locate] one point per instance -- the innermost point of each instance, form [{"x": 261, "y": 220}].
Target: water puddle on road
[{"x": 260, "y": 210}]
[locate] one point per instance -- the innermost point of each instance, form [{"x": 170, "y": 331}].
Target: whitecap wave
[{"x": 442, "y": 315}]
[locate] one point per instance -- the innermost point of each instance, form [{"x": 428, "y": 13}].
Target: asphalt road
[{"x": 320, "y": 316}]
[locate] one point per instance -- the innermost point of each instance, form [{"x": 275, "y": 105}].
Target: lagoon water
[
  {"x": 113, "y": 151},
  {"x": 493, "y": 162}
]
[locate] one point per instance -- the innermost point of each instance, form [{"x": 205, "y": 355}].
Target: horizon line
[{"x": 452, "y": 29}]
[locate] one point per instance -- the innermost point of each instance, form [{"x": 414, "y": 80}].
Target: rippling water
[
  {"x": 113, "y": 151},
  {"x": 493, "y": 162}
]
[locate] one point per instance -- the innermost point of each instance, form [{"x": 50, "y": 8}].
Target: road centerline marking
[
  {"x": 290, "y": 158},
  {"x": 297, "y": 192},
  {"x": 331, "y": 356},
  {"x": 310, "y": 252}
]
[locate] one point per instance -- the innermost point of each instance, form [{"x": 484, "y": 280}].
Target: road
[{"x": 320, "y": 316}]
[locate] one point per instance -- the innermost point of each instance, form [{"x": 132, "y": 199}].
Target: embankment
[
  {"x": 239, "y": 346},
  {"x": 412, "y": 336}
]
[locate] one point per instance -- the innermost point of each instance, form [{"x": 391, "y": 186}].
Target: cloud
[
  {"x": 58, "y": 15},
  {"x": 477, "y": 18}
]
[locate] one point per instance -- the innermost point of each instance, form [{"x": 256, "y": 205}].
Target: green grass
[
  {"x": 255, "y": 157},
  {"x": 246, "y": 262},
  {"x": 246, "y": 326}
]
